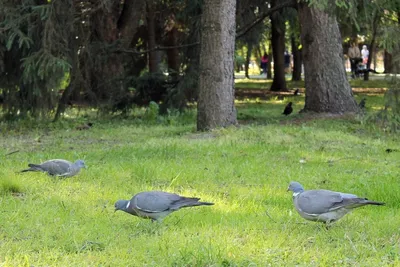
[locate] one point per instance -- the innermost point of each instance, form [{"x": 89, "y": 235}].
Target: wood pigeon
[
  {"x": 324, "y": 205},
  {"x": 58, "y": 167},
  {"x": 156, "y": 205}
]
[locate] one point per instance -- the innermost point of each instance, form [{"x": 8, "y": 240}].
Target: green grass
[
  {"x": 376, "y": 81},
  {"x": 245, "y": 170}
]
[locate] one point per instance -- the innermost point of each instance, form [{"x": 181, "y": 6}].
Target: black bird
[
  {"x": 296, "y": 92},
  {"x": 288, "y": 109},
  {"x": 358, "y": 71},
  {"x": 362, "y": 103}
]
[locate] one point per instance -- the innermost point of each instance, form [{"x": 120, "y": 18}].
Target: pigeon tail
[
  {"x": 369, "y": 202},
  {"x": 33, "y": 168},
  {"x": 189, "y": 202},
  {"x": 359, "y": 202}
]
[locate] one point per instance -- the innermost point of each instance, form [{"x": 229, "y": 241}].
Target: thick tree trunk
[
  {"x": 215, "y": 106},
  {"x": 327, "y": 87},
  {"x": 151, "y": 36},
  {"x": 297, "y": 60},
  {"x": 129, "y": 20},
  {"x": 107, "y": 73},
  {"x": 278, "y": 50}
]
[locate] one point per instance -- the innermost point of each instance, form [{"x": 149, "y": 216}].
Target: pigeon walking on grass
[
  {"x": 288, "y": 109},
  {"x": 58, "y": 167},
  {"x": 156, "y": 205},
  {"x": 324, "y": 205}
]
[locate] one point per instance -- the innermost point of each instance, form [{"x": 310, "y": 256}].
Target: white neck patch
[
  {"x": 296, "y": 194},
  {"x": 127, "y": 206}
]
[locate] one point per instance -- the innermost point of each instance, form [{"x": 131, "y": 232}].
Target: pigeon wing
[
  {"x": 154, "y": 201},
  {"x": 319, "y": 201},
  {"x": 56, "y": 167}
]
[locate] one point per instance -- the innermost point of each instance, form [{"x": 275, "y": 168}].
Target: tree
[
  {"x": 297, "y": 59},
  {"x": 278, "y": 49},
  {"x": 294, "y": 33},
  {"x": 216, "y": 81},
  {"x": 327, "y": 87},
  {"x": 33, "y": 54}
]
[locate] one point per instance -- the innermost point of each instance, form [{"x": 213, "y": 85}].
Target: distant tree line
[{"x": 112, "y": 55}]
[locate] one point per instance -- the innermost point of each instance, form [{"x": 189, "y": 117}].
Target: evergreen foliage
[{"x": 34, "y": 50}]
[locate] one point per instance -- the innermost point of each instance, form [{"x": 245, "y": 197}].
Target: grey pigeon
[
  {"x": 324, "y": 205},
  {"x": 58, "y": 167},
  {"x": 156, "y": 205}
]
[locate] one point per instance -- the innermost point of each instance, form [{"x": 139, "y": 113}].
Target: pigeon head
[
  {"x": 290, "y": 104},
  {"x": 80, "y": 163},
  {"x": 296, "y": 188},
  {"x": 121, "y": 205}
]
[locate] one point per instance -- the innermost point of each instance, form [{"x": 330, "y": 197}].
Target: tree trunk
[
  {"x": 129, "y": 20},
  {"x": 388, "y": 62},
  {"x": 269, "y": 70},
  {"x": 278, "y": 50},
  {"x": 297, "y": 61},
  {"x": 75, "y": 78},
  {"x": 327, "y": 87},
  {"x": 107, "y": 72},
  {"x": 248, "y": 56},
  {"x": 151, "y": 31},
  {"x": 172, "y": 41},
  {"x": 215, "y": 106},
  {"x": 372, "y": 45}
]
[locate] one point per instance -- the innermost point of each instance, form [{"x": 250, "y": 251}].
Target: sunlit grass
[
  {"x": 245, "y": 170},
  {"x": 376, "y": 81}
]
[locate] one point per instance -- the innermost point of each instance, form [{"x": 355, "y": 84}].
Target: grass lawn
[
  {"x": 376, "y": 81},
  {"x": 245, "y": 170}
]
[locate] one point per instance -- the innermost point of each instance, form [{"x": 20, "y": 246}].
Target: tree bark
[
  {"x": 327, "y": 87},
  {"x": 172, "y": 41},
  {"x": 278, "y": 50},
  {"x": 297, "y": 60},
  {"x": 129, "y": 20},
  {"x": 388, "y": 62},
  {"x": 151, "y": 36},
  {"x": 215, "y": 106},
  {"x": 106, "y": 74},
  {"x": 372, "y": 45}
]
